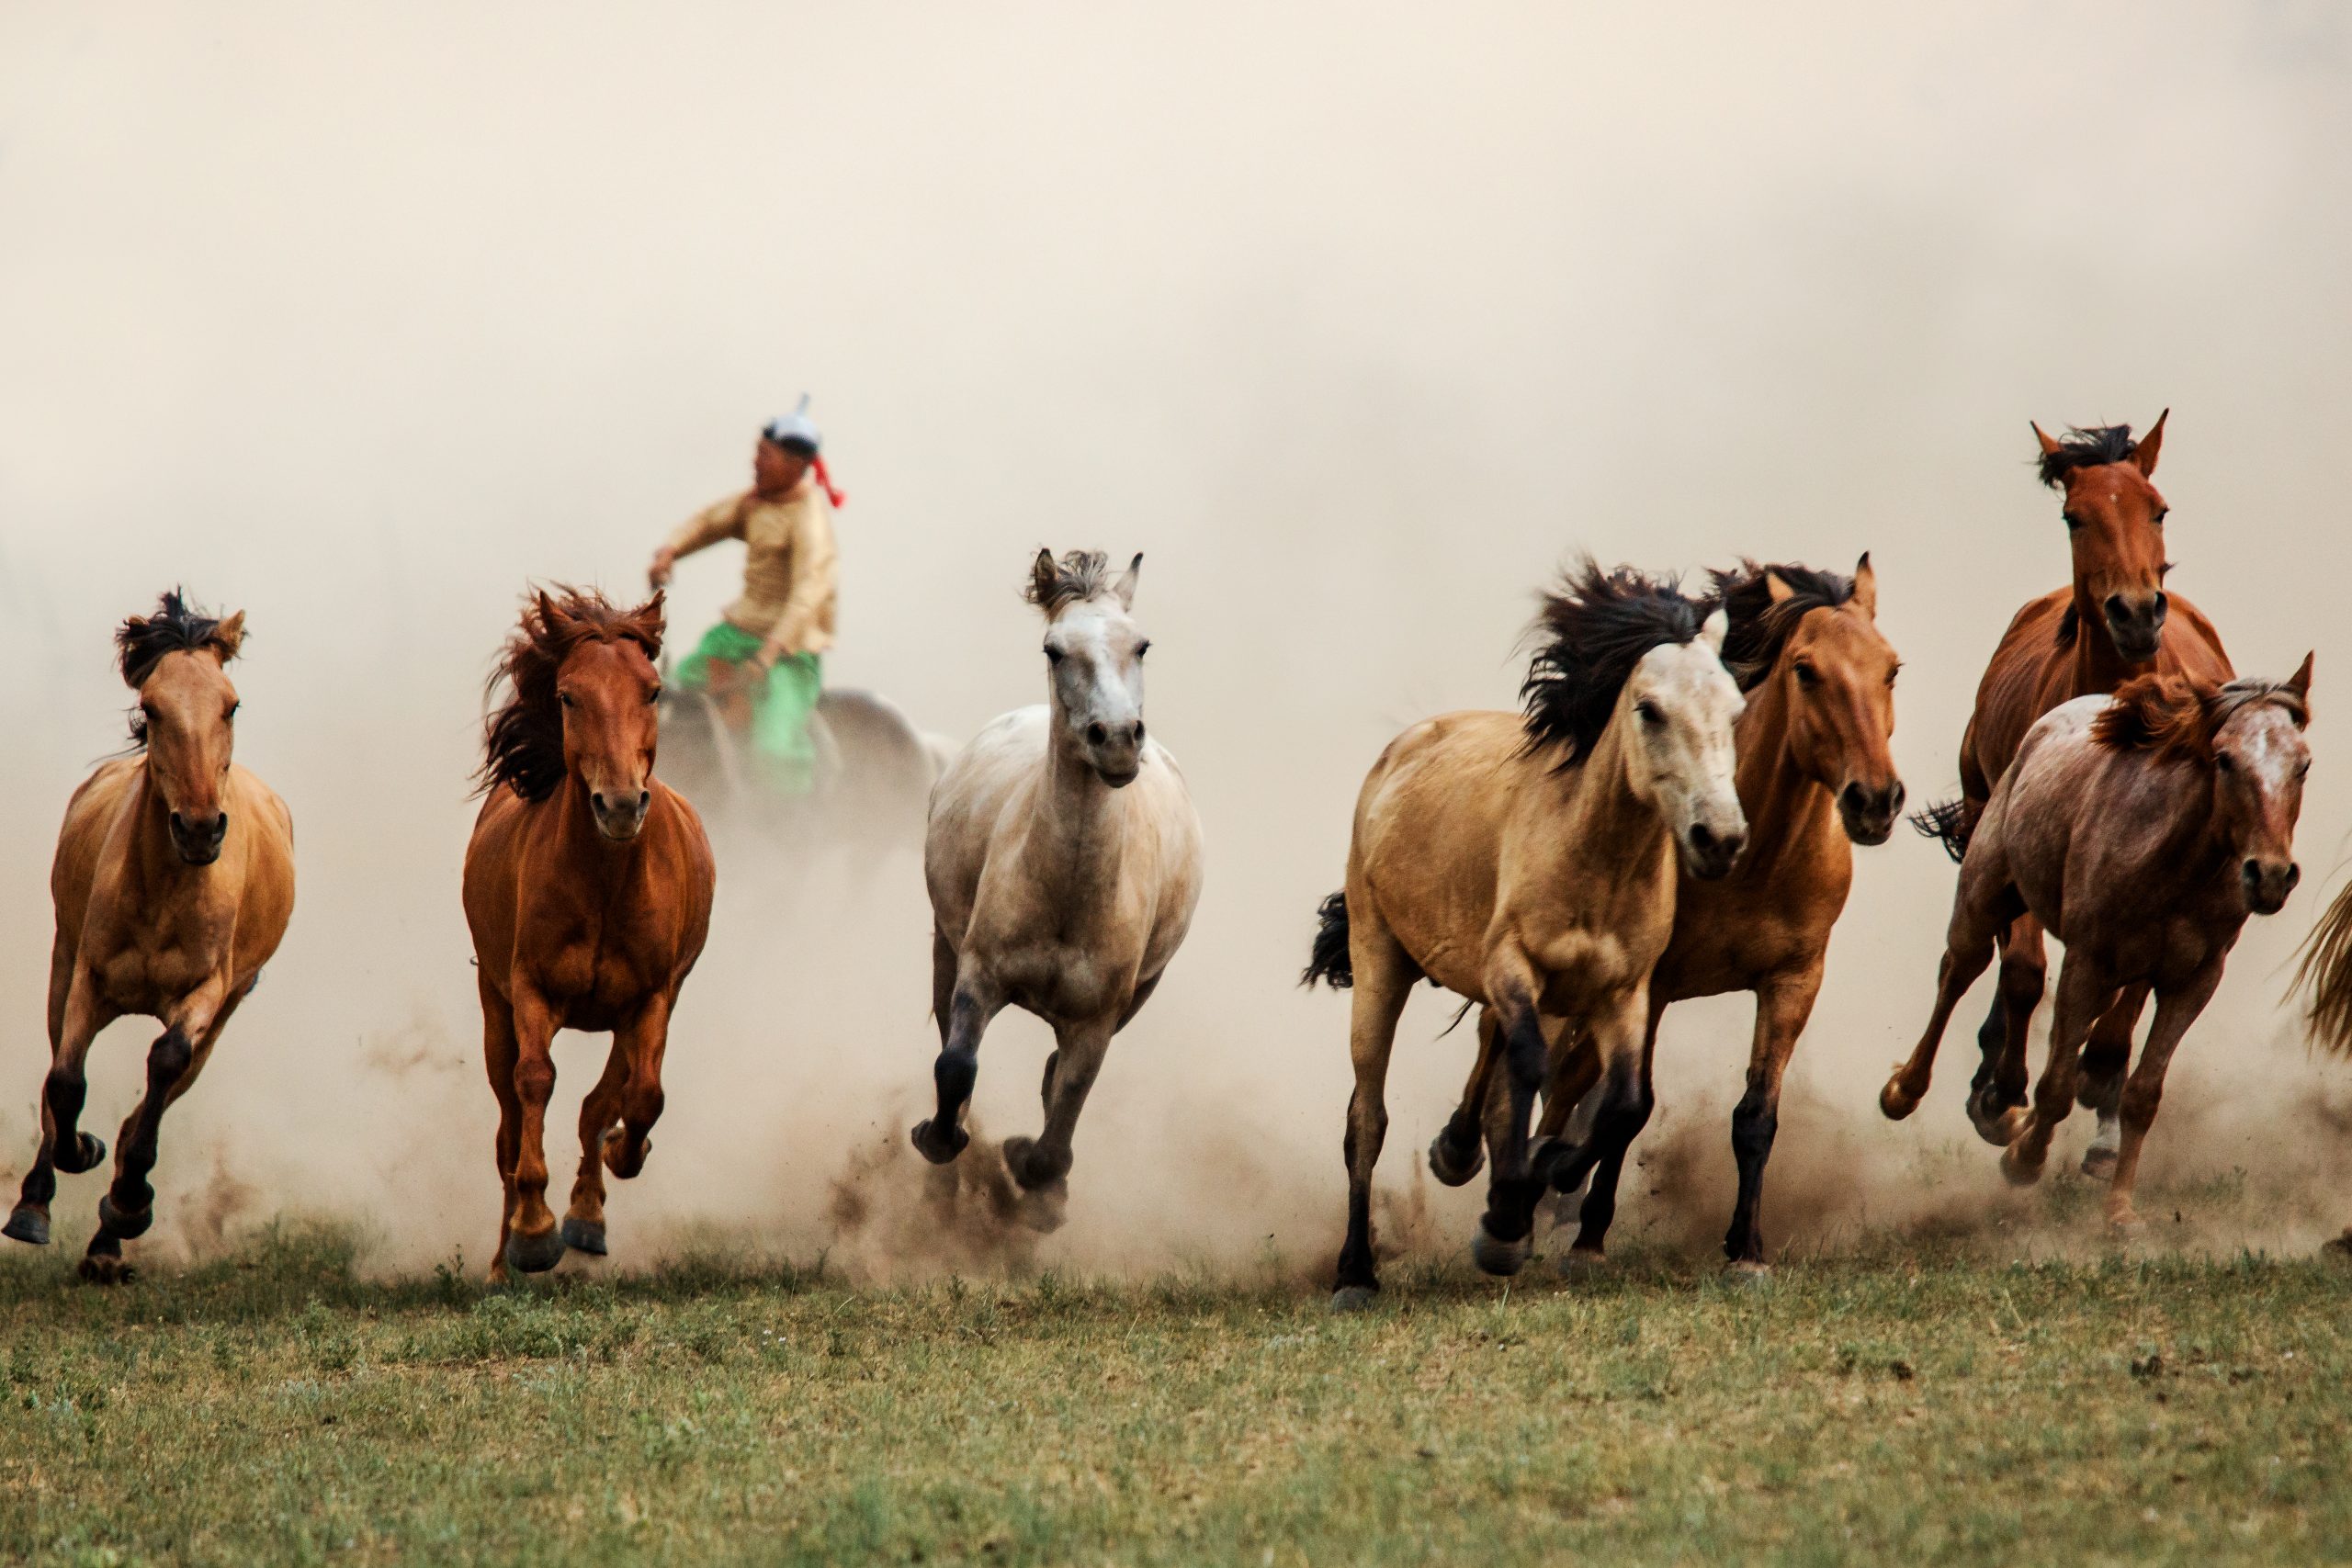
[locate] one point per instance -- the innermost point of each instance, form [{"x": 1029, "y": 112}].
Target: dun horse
[
  {"x": 1529, "y": 864},
  {"x": 2141, "y": 829},
  {"x": 587, "y": 886},
  {"x": 173, "y": 882},
  {"x": 1814, "y": 776},
  {"x": 1064, "y": 862},
  {"x": 2114, "y": 622}
]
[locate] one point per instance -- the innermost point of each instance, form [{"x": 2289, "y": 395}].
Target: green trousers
[{"x": 779, "y": 712}]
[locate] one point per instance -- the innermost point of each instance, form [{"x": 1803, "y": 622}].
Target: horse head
[
  {"x": 1678, "y": 709},
  {"x": 609, "y": 694},
  {"x": 2259, "y": 759},
  {"x": 2115, "y": 518},
  {"x": 1093, "y": 659},
  {"x": 186, "y": 724}
]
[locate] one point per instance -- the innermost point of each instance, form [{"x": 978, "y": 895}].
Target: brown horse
[
  {"x": 1528, "y": 863},
  {"x": 2115, "y": 621},
  {"x": 1815, "y": 777},
  {"x": 2141, "y": 829},
  {"x": 173, "y": 882},
  {"x": 587, "y": 886}
]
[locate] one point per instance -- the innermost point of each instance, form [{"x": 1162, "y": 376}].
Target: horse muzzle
[
  {"x": 620, "y": 817},
  {"x": 198, "y": 839},
  {"x": 2268, "y": 883},
  {"x": 1870, "y": 814},
  {"x": 1115, "y": 752},
  {"x": 2136, "y": 626},
  {"x": 1709, "y": 853}
]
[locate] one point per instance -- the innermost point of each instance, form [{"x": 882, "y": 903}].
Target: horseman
[{"x": 772, "y": 642}]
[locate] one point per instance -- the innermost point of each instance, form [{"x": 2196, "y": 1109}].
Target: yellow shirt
[{"x": 790, "y": 567}]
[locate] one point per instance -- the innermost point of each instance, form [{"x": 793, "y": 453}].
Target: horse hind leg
[
  {"x": 1383, "y": 980},
  {"x": 1996, "y": 1094},
  {"x": 2106, "y": 1059},
  {"x": 1968, "y": 949},
  {"x": 1456, "y": 1154},
  {"x": 2082, "y": 994},
  {"x": 499, "y": 1056}
]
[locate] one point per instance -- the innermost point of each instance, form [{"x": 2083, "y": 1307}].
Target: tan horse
[
  {"x": 2142, "y": 830},
  {"x": 1815, "y": 778},
  {"x": 173, "y": 883},
  {"x": 588, "y": 884},
  {"x": 1529, "y": 864},
  {"x": 1064, "y": 860}
]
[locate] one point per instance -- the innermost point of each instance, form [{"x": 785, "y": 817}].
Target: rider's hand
[{"x": 658, "y": 574}]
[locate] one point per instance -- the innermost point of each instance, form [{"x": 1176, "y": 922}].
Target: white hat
[{"x": 795, "y": 429}]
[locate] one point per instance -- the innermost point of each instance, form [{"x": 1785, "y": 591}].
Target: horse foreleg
[
  {"x": 2106, "y": 1059},
  {"x": 1040, "y": 1166},
  {"x": 63, "y": 1145},
  {"x": 498, "y": 1054},
  {"x": 1454, "y": 1155},
  {"x": 1783, "y": 1003},
  {"x": 1997, "y": 1090},
  {"x": 175, "y": 1059},
  {"x": 533, "y": 1244},
  {"x": 941, "y": 1137},
  {"x": 1620, "y": 1041},
  {"x": 600, "y": 1115},
  {"x": 2174, "y": 1012},
  {"x": 1599, "y": 1207},
  {"x": 1968, "y": 948},
  {"x": 2083, "y": 991},
  {"x": 1385, "y": 977}
]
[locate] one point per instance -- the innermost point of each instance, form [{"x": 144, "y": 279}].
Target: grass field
[{"x": 274, "y": 1404}]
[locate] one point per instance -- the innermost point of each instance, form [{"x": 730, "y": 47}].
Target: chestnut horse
[
  {"x": 1528, "y": 863},
  {"x": 1064, "y": 862},
  {"x": 587, "y": 886},
  {"x": 173, "y": 883},
  {"x": 2141, "y": 829},
  {"x": 1814, "y": 776},
  {"x": 2114, "y": 622}
]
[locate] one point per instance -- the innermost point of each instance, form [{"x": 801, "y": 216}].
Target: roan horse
[
  {"x": 1064, "y": 862},
  {"x": 1528, "y": 863},
  {"x": 1814, "y": 776},
  {"x": 587, "y": 886},
  {"x": 2115, "y": 621},
  {"x": 2142, "y": 829},
  {"x": 173, "y": 883}
]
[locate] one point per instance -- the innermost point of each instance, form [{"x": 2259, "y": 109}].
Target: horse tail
[
  {"x": 1947, "y": 822},
  {"x": 1330, "y": 962},
  {"x": 2324, "y": 974}
]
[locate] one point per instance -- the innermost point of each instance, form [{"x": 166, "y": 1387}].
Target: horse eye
[
  {"x": 1807, "y": 675},
  {"x": 2224, "y": 762},
  {"x": 654, "y": 696},
  {"x": 1142, "y": 648},
  {"x": 1649, "y": 712},
  {"x": 2159, "y": 518},
  {"x": 564, "y": 697},
  {"x": 1053, "y": 654},
  {"x": 2072, "y": 520}
]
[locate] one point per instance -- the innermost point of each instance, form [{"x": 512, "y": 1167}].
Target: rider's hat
[{"x": 795, "y": 432}]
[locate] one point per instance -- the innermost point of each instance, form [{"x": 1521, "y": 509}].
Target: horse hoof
[
  {"x": 936, "y": 1147},
  {"x": 2126, "y": 1226},
  {"x": 1584, "y": 1263},
  {"x": 534, "y": 1254},
  {"x": 28, "y": 1224},
  {"x": 1350, "y": 1299},
  {"x": 2099, "y": 1163},
  {"x": 89, "y": 1152},
  {"x": 1451, "y": 1166},
  {"x": 122, "y": 1227},
  {"x": 1995, "y": 1123},
  {"x": 1746, "y": 1271},
  {"x": 1494, "y": 1255},
  {"x": 1894, "y": 1101},
  {"x": 616, "y": 1152},
  {"x": 584, "y": 1236},
  {"x": 107, "y": 1268},
  {"x": 1043, "y": 1208},
  {"x": 2018, "y": 1172}
]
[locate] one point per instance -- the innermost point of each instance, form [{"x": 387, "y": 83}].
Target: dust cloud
[{"x": 1355, "y": 318}]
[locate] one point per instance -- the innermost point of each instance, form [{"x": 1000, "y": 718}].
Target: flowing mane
[
  {"x": 176, "y": 626},
  {"x": 522, "y": 738},
  {"x": 2175, "y": 719},
  {"x": 2091, "y": 448},
  {"x": 1760, "y": 624},
  {"x": 1078, "y": 576},
  {"x": 1591, "y": 633}
]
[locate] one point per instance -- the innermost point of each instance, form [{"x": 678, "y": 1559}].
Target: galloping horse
[
  {"x": 2115, "y": 621},
  {"x": 587, "y": 886},
  {"x": 2142, "y": 829},
  {"x": 173, "y": 882},
  {"x": 1064, "y": 862},
  {"x": 1814, "y": 776},
  {"x": 1528, "y": 863}
]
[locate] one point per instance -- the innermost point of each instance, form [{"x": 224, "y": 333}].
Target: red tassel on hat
[{"x": 825, "y": 482}]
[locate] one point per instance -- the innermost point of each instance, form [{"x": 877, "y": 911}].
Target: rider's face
[{"x": 774, "y": 469}]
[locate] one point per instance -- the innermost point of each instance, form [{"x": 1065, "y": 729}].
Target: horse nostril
[
  {"x": 2160, "y": 601},
  {"x": 596, "y": 799},
  {"x": 644, "y": 798},
  {"x": 1894, "y": 798},
  {"x": 1733, "y": 843},
  {"x": 1702, "y": 837},
  {"x": 1138, "y": 732},
  {"x": 1096, "y": 735},
  {"x": 2294, "y": 876},
  {"x": 2117, "y": 610}
]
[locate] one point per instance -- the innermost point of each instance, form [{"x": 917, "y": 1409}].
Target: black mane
[
  {"x": 176, "y": 626},
  {"x": 1591, "y": 631},
  {"x": 1759, "y": 624},
  {"x": 2092, "y": 448}
]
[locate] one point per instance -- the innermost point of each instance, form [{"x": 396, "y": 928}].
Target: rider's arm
[
  {"x": 723, "y": 520},
  {"x": 815, "y": 564}
]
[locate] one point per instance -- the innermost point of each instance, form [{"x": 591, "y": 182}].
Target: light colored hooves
[
  {"x": 28, "y": 1224},
  {"x": 1451, "y": 1166},
  {"x": 935, "y": 1145},
  {"x": 584, "y": 1236},
  {"x": 1501, "y": 1258},
  {"x": 2126, "y": 1225},
  {"x": 2017, "y": 1170},
  {"x": 1894, "y": 1101},
  {"x": 1043, "y": 1208},
  {"x": 2098, "y": 1162},
  {"x": 534, "y": 1254},
  {"x": 1998, "y": 1125},
  {"x": 1354, "y": 1298},
  {"x": 1746, "y": 1271}
]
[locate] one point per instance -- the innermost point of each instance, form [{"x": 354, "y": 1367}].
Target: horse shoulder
[{"x": 2027, "y": 673}]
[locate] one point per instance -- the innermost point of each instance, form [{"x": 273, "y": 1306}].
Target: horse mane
[
  {"x": 2323, "y": 974},
  {"x": 522, "y": 738},
  {"x": 1760, "y": 624},
  {"x": 2091, "y": 448},
  {"x": 176, "y": 626},
  {"x": 2174, "y": 718},
  {"x": 1591, "y": 631},
  {"x": 1078, "y": 576}
]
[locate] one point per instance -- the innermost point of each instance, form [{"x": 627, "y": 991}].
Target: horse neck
[
  {"x": 1076, "y": 836},
  {"x": 1601, "y": 807},
  {"x": 1788, "y": 811},
  {"x": 2188, "y": 853}
]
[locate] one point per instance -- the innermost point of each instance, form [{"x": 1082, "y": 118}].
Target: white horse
[{"x": 1064, "y": 860}]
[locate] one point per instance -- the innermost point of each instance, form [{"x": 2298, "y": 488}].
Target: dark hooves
[
  {"x": 534, "y": 1254},
  {"x": 1454, "y": 1166},
  {"x": 937, "y": 1147},
  {"x": 1355, "y": 1298},
  {"x": 88, "y": 1153},
  {"x": 107, "y": 1268},
  {"x": 2098, "y": 1164},
  {"x": 122, "y": 1227},
  {"x": 584, "y": 1236},
  {"x": 28, "y": 1224}
]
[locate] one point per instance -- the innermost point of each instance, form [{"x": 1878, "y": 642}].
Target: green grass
[{"x": 276, "y": 1405}]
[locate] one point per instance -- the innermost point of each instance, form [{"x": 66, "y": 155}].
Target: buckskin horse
[
  {"x": 588, "y": 884},
  {"x": 1528, "y": 862},
  {"x": 2113, "y": 622},
  {"x": 173, "y": 883}
]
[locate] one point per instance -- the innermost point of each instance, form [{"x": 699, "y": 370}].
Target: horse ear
[
  {"x": 2150, "y": 444},
  {"x": 1777, "y": 589},
  {"x": 1865, "y": 597},
  {"x": 1715, "y": 628},
  {"x": 2300, "y": 682},
  {"x": 551, "y": 616},
  {"x": 2049, "y": 447},
  {"x": 1125, "y": 587},
  {"x": 652, "y": 621},
  {"x": 1043, "y": 577},
  {"x": 227, "y": 637}
]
